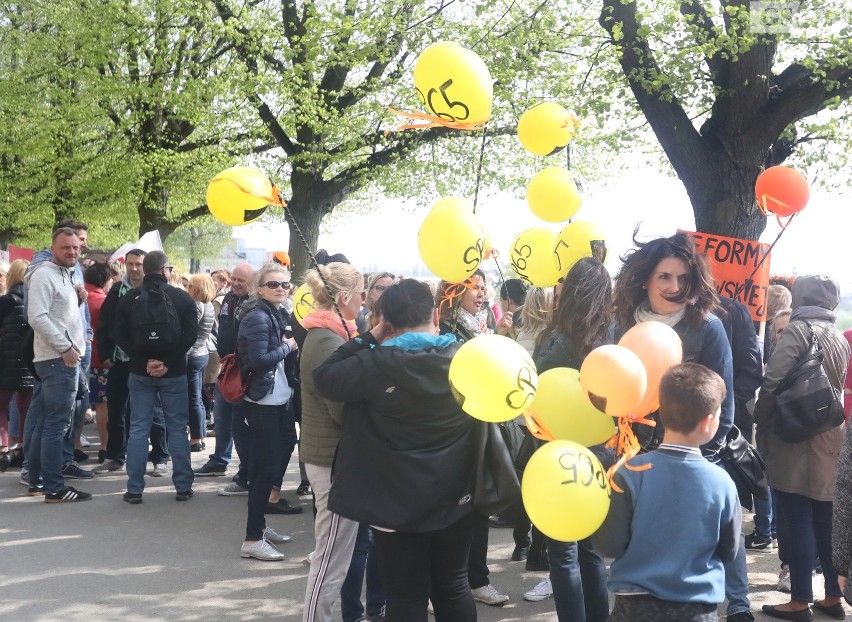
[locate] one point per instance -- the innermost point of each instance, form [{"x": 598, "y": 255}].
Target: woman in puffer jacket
[
  {"x": 803, "y": 474},
  {"x": 262, "y": 348}
]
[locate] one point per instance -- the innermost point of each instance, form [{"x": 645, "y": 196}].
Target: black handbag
[
  {"x": 495, "y": 485},
  {"x": 805, "y": 402},
  {"x": 746, "y": 467}
]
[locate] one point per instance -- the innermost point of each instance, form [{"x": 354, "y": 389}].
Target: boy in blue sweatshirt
[{"x": 676, "y": 522}]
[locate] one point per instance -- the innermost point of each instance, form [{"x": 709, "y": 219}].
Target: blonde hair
[
  {"x": 537, "y": 310},
  {"x": 203, "y": 288},
  {"x": 266, "y": 269},
  {"x": 778, "y": 297},
  {"x": 116, "y": 269},
  {"x": 340, "y": 278},
  {"x": 175, "y": 278},
  {"x": 16, "y": 273}
]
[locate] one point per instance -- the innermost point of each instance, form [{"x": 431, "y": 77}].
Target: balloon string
[
  {"x": 741, "y": 287},
  {"x": 429, "y": 121},
  {"x": 627, "y": 447},
  {"x": 479, "y": 169},
  {"x": 314, "y": 263}
]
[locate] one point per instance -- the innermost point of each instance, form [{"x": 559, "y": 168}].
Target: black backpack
[{"x": 154, "y": 320}]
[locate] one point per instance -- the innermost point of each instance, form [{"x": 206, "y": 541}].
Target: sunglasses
[{"x": 285, "y": 285}]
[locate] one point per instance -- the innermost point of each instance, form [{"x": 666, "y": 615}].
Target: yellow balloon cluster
[
  {"x": 303, "y": 302},
  {"x": 239, "y": 195},
  {"x": 493, "y": 378},
  {"x": 553, "y": 195},
  {"x": 562, "y": 408},
  {"x": 546, "y": 127},
  {"x": 533, "y": 259},
  {"x": 454, "y": 83},
  {"x": 451, "y": 240},
  {"x": 565, "y": 491},
  {"x": 615, "y": 379},
  {"x": 578, "y": 239}
]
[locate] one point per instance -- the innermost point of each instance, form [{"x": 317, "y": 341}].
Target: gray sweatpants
[{"x": 335, "y": 541}]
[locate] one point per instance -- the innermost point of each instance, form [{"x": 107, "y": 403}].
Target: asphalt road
[{"x": 106, "y": 560}]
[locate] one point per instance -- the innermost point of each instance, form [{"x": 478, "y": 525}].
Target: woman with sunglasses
[{"x": 262, "y": 349}]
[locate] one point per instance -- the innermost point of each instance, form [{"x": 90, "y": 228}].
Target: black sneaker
[
  {"x": 186, "y": 495},
  {"x": 754, "y": 542},
  {"x": 282, "y": 507},
  {"x": 35, "y": 491},
  {"x": 304, "y": 489},
  {"x": 133, "y": 498},
  {"x": 72, "y": 470},
  {"x": 209, "y": 469},
  {"x": 742, "y": 616},
  {"x": 80, "y": 455},
  {"x": 66, "y": 495}
]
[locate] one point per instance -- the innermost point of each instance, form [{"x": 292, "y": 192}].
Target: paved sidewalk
[{"x": 107, "y": 560}]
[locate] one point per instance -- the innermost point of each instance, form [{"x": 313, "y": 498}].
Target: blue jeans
[
  {"x": 578, "y": 576},
  {"x": 231, "y": 431},
  {"x": 736, "y": 582},
  {"x": 764, "y": 520},
  {"x": 195, "y": 379},
  {"x": 80, "y": 407},
  {"x": 363, "y": 559},
  {"x": 172, "y": 394},
  {"x": 809, "y": 529},
  {"x": 49, "y": 419}
]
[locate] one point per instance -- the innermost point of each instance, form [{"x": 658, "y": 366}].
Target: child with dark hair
[{"x": 687, "y": 583}]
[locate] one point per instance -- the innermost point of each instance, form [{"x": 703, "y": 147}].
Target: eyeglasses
[
  {"x": 169, "y": 268},
  {"x": 285, "y": 285}
]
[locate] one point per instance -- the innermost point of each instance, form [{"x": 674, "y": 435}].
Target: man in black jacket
[
  {"x": 157, "y": 372},
  {"x": 118, "y": 363},
  {"x": 228, "y": 420}
]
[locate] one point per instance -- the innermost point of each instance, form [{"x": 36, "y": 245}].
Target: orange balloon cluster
[{"x": 658, "y": 347}]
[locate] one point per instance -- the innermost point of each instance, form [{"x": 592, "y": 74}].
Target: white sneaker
[
  {"x": 261, "y": 550},
  {"x": 160, "y": 470},
  {"x": 84, "y": 442},
  {"x": 784, "y": 580},
  {"x": 489, "y": 595},
  {"x": 542, "y": 591},
  {"x": 270, "y": 535},
  {"x": 429, "y": 607}
]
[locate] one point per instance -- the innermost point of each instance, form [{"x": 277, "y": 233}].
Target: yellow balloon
[
  {"x": 565, "y": 491},
  {"x": 579, "y": 239},
  {"x": 451, "y": 240},
  {"x": 303, "y": 302},
  {"x": 493, "y": 378},
  {"x": 533, "y": 259},
  {"x": 454, "y": 83},
  {"x": 546, "y": 127},
  {"x": 615, "y": 379},
  {"x": 239, "y": 195},
  {"x": 553, "y": 195},
  {"x": 562, "y": 407}
]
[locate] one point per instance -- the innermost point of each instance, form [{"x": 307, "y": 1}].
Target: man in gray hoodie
[{"x": 58, "y": 345}]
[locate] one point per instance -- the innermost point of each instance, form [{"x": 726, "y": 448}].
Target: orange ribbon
[
  {"x": 536, "y": 427},
  {"x": 274, "y": 199},
  {"x": 489, "y": 253},
  {"x": 451, "y": 291},
  {"x": 626, "y": 447},
  {"x": 428, "y": 120}
]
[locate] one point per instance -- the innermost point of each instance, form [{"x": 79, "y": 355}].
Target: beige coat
[
  {"x": 321, "y": 418},
  {"x": 808, "y": 468}
]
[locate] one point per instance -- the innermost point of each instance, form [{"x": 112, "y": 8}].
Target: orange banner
[{"x": 734, "y": 262}]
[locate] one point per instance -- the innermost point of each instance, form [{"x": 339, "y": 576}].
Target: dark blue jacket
[
  {"x": 748, "y": 363},
  {"x": 229, "y": 323},
  {"x": 15, "y": 374},
  {"x": 260, "y": 350}
]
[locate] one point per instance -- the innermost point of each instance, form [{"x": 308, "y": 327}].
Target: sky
[{"x": 816, "y": 242}]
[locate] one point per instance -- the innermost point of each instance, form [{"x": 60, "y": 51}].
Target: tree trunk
[
  {"x": 722, "y": 194},
  {"x": 308, "y": 218}
]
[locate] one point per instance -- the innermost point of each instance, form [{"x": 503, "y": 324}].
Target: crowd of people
[{"x": 361, "y": 386}]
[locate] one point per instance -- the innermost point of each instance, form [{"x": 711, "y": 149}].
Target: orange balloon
[
  {"x": 658, "y": 347},
  {"x": 615, "y": 380},
  {"x": 782, "y": 190}
]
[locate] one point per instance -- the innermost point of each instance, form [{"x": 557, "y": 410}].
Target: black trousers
[
  {"x": 477, "y": 566},
  {"x": 273, "y": 435},
  {"x": 415, "y": 567}
]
